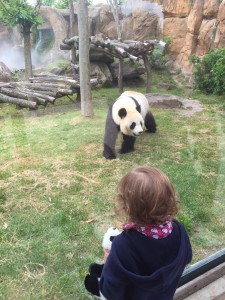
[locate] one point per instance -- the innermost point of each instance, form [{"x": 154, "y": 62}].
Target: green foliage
[
  {"x": 14, "y": 12},
  {"x": 158, "y": 57},
  {"x": 218, "y": 72},
  {"x": 48, "y": 3},
  {"x": 209, "y": 72},
  {"x": 61, "y": 63},
  {"x": 186, "y": 219},
  {"x": 61, "y": 4}
]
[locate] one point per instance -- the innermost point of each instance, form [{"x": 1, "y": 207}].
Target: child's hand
[{"x": 106, "y": 253}]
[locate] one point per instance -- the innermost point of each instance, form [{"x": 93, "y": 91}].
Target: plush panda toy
[
  {"x": 91, "y": 281},
  {"x": 129, "y": 115}
]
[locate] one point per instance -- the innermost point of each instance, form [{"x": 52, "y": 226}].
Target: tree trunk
[
  {"x": 84, "y": 59},
  {"x": 120, "y": 76},
  {"x": 149, "y": 73},
  {"x": 72, "y": 32},
  {"x": 115, "y": 9},
  {"x": 27, "y": 51}
]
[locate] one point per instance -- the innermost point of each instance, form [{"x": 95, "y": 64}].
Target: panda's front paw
[
  {"x": 123, "y": 151},
  {"x": 108, "y": 153},
  {"x": 91, "y": 285},
  {"x": 96, "y": 269},
  {"x": 109, "y": 157}
]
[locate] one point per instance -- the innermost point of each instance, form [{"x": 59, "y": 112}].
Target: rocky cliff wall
[{"x": 194, "y": 26}]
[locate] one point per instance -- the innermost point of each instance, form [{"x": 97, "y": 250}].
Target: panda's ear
[{"x": 122, "y": 113}]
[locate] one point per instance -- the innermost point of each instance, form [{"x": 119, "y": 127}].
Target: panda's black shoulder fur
[{"x": 138, "y": 106}]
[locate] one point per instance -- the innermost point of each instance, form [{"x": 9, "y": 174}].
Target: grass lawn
[{"x": 57, "y": 190}]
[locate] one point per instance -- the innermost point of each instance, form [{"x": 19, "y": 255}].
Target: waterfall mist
[{"x": 13, "y": 56}]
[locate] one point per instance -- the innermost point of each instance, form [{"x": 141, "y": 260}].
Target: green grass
[{"x": 57, "y": 190}]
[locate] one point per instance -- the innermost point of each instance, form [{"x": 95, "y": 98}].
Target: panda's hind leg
[
  {"x": 127, "y": 144},
  {"x": 150, "y": 123}
]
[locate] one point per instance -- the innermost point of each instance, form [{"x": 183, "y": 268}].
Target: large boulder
[
  {"x": 141, "y": 25},
  {"x": 210, "y": 8},
  {"x": 101, "y": 55},
  {"x": 5, "y": 73},
  {"x": 205, "y": 41},
  {"x": 129, "y": 71},
  {"x": 219, "y": 41},
  {"x": 177, "y": 8}
]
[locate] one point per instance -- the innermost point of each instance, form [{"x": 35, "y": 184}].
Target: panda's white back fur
[{"x": 125, "y": 101}]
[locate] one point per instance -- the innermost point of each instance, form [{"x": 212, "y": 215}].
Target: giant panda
[
  {"x": 92, "y": 279},
  {"x": 129, "y": 115}
]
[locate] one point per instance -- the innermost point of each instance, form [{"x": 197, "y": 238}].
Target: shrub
[
  {"x": 209, "y": 72},
  {"x": 218, "y": 72},
  {"x": 158, "y": 58}
]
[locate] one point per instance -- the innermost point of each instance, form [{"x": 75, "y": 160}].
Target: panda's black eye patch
[
  {"x": 122, "y": 113},
  {"x": 132, "y": 126}
]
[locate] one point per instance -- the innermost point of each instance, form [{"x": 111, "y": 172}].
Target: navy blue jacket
[{"x": 143, "y": 268}]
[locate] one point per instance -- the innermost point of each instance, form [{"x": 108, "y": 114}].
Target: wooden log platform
[{"x": 133, "y": 50}]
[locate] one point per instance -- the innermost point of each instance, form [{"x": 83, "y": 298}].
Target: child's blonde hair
[{"x": 146, "y": 196}]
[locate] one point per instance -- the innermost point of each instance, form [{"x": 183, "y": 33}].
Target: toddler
[{"x": 147, "y": 259}]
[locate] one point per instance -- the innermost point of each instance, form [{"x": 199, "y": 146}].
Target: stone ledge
[{"x": 183, "y": 106}]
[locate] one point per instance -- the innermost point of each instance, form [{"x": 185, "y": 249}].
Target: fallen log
[
  {"x": 5, "y": 84},
  {"x": 51, "y": 75},
  {"x": 45, "y": 93},
  {"x": 22, "y": 95},
  {"x": 71, "y": 41},
  {"x": 49, "y": 90},
  {"x": 64, "y": 47},
  {"x": 13, "y": 93},
  {"x": 132, "y": 57},
  {"x": 121, "y": 52},
  {"x": 64, "y": 92},
  {"x": 41, "y": 88},
  {"x": 38, "y": 100},
  {"x": 39, "y": 95},
  {"x": 36, "y": 85},
  {"x": 19, "y": 102},
  {"x": 53, "y": 79}
]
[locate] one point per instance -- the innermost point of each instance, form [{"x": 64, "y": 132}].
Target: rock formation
[
  {"x": 194, "y": 26},
  {"x": 5, "y": 73}
]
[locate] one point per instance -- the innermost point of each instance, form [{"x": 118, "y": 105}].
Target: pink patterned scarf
[{"x": 155, "y": 231}]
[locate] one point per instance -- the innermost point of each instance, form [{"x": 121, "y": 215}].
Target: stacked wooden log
[
  {"x": 40, "y": 90},
  {"x": 134, "y": 50}
]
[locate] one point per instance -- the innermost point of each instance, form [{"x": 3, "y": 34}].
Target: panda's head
[
  {"x": 131, "y": 122},
  {"x": 110, "y": 234}
]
